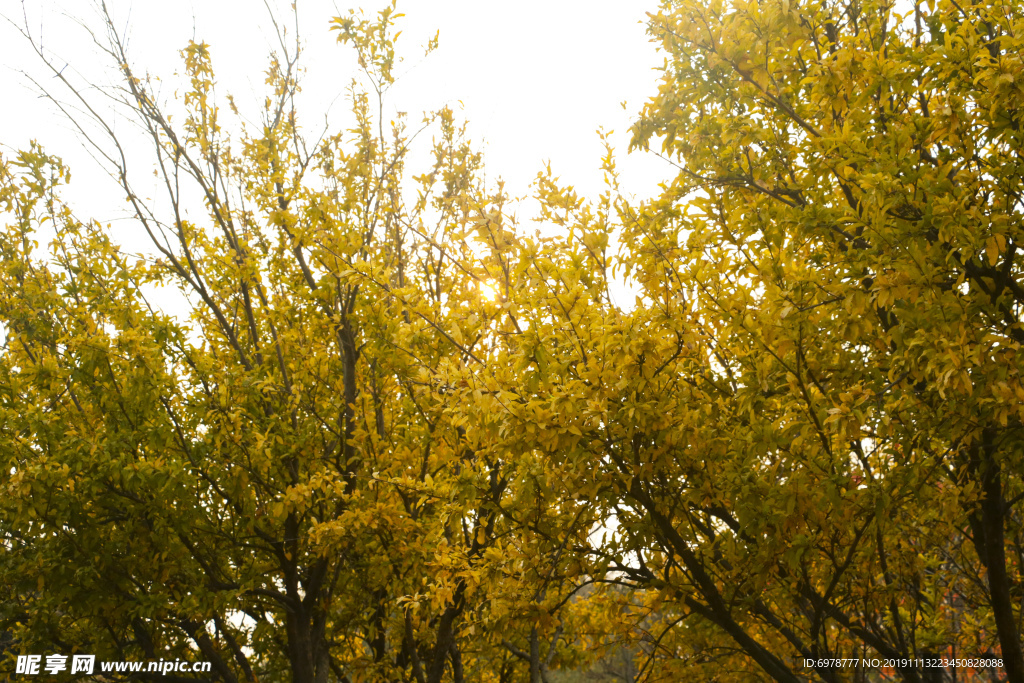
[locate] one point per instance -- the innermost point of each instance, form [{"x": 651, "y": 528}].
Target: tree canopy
[{"x": 400, "y": 436}]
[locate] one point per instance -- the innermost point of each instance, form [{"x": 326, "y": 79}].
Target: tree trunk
[
  {"x": 534, "y": 656},
  {"x": 991, "y": 548}
]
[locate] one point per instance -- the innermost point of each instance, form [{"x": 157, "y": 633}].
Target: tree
[
  {"x": 274, "y": 479},
  {"x": 807, "y": 433}
]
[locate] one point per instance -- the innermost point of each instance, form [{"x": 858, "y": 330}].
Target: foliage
[
  {"x": 807, "y": 433},
  {"x": 403, "y": 438},
  {"x": 272, "y": 479}
]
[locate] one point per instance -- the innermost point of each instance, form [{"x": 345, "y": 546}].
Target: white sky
[{"x": 535, "y": 79}]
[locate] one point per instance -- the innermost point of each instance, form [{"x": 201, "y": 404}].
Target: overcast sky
[{"x": 535, "y": 79}]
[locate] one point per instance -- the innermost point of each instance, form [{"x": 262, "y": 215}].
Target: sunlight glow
[{"x": 487, "y": 291}]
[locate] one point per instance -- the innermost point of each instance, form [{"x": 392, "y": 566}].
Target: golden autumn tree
[
  {"x": 805, "y": 438},
  {"x": 274, "y": 481}
]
